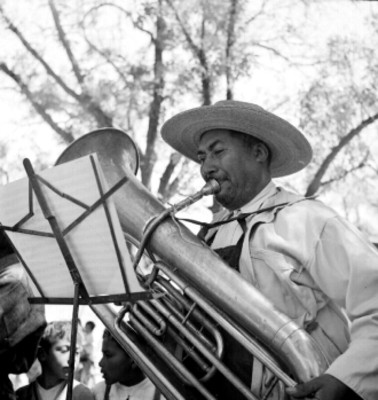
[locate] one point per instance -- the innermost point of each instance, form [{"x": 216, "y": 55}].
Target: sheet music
[{"x": 90, "y": 242}]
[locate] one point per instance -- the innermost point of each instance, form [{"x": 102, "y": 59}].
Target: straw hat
[{"x": 290, "y": 150}]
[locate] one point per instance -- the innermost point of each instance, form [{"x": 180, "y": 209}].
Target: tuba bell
[{"x": 197, "y": 288}]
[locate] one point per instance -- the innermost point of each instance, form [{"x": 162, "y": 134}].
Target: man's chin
[{"x": 222, "y": 200}]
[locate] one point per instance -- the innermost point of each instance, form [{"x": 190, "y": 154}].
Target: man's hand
[{"x": 325, "y": 387}]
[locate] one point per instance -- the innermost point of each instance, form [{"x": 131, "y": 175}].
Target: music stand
[{"x": 64, "y": 228}]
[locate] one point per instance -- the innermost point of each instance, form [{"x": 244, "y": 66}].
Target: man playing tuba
[{"x": 298, "y": 252}]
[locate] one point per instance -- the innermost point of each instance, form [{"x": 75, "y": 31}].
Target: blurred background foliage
[{"x": 67, "y": 68}]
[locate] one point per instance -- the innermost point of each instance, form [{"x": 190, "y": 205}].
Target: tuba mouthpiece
[{"x": 211, "y": 187}]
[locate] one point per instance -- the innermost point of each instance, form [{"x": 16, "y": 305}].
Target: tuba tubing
[{"x": 179, "y": 248}]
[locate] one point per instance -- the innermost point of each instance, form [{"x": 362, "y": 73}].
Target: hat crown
[{"x": 237, "y": 104}]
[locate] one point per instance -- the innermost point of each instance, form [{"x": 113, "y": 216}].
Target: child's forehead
[
  {"x": 108, "y": 341},
  {"x": 62, "y": 337},
  {"x": 65, "y": 341},
  {"x": 110, "y": 344}
]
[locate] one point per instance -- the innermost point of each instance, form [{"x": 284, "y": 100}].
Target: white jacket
[{"x": 314, "y": 266}]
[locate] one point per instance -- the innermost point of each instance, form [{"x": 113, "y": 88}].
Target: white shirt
[
  {"x": 57, "y": 392},
  {"x": 144, "y": 390}
]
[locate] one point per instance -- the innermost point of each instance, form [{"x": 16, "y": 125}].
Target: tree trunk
[{"x": 149, "y": 158}]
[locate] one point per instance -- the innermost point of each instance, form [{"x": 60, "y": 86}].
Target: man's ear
[{"x": 261, "y": 152}]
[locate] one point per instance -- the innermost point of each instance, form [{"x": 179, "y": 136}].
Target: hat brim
[{"x": 290, "y": 150}]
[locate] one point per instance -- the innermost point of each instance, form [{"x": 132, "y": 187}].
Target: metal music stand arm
[{"x": 79, "y": 287}]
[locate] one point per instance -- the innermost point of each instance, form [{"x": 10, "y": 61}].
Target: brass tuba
[{"x": 204, "y": 289}]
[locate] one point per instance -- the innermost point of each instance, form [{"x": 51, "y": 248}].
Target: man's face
[
  {"x": 238, "y": 169},
  {"x": 56, "y": 360},
  {"x": 116, "y": 365}
]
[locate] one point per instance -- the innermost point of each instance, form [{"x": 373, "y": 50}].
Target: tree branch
[
  {"x": 199, "y": 52},
  {"x": 127, "y": 13},
  {"x": 192, "y": 45},
  {"x": 165, "y": 178},
  {"x": 259, "y": 12},
  {"x": 172, "y": 188},
  {"x": 65, "y": 43},
  {"x": 314, "y": 185},
  {"x": 108, "y": 59},
  {"x": 157, "y": 99},
  {"x": 229, "y": 45},
  {"x": 85, "y": 101},
  {"x": 102, "y": 53},
  {"x": 66, "y": 136},
  {"x": 272, "y": 50},
  {"x": 360, "y": 165},
  {"x": 39, "y": 58}
]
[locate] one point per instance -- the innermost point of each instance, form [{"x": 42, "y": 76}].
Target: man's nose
[{"x": 208, "y": 167}]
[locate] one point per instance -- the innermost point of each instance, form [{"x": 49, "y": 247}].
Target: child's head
[
  {"x": 89, "y": 327},
  {"x": 116, "y": 365},
  {"x": 54, "y": 349}
]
